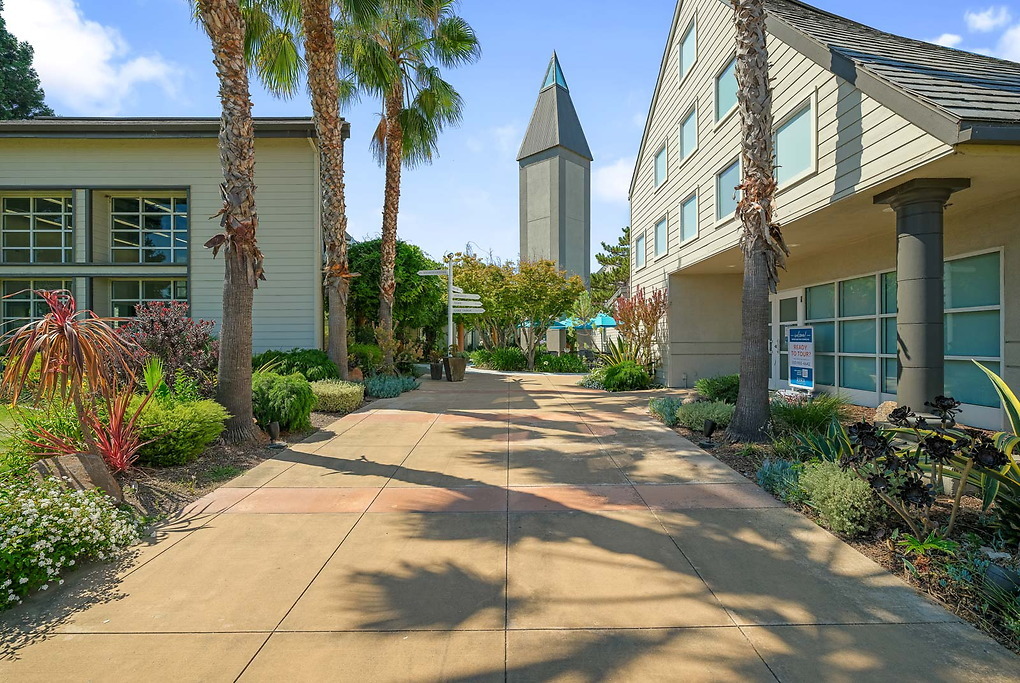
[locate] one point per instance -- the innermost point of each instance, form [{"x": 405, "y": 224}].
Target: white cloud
[
  {"x": 504, "y": 139},
  {"x": 1009, "y": 44},
  {"x": 86, "y": 68},
  {"x": 612, "y": 182},
  {"x": 989, "y": 19},
  {"x": 948, "y": 40}
]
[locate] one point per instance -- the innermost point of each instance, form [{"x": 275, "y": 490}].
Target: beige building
[
  {"x": 898, "y": 166},
  {"x": 117, "y": 211}
]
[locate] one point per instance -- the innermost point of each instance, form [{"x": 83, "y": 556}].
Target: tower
[{"x": 555, "y": 180}]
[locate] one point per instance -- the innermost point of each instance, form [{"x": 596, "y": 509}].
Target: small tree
[
  {"x": 637, "y": 320},
  {"x": 21, "y": 97},
  {"x": 615, "y": 271},
  {"x": 492, "y": 282},
  {"x": 540, "y": 293},
  {"x": 581, "y": 313}
]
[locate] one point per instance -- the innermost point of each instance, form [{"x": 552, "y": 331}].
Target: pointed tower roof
[{"x": 554, "y": 122}]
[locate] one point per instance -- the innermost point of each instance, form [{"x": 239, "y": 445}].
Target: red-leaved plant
[{"x": 637, "y": 320}]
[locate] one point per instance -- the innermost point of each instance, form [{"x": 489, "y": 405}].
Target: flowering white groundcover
[{"x": 46, "y": 527}]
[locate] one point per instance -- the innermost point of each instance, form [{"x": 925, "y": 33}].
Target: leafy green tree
[
  {"x": 21, "y": 96},
  {"x": 420, "y": 301},
  {"x": 540, "y": 293},
  {"x": 492, "y": 282},
  {"x": 615, "y": 272},
  {"x": 396, "y": 58}
]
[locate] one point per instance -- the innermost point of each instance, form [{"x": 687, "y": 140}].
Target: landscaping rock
[
  {"x": 693, "y": 398},
  {"x": 883, "y": 411},
  {"x": 356, "y": 375},
  {"x": 81, "y": 471}
]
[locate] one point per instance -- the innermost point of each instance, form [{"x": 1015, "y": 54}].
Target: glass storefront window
[
  {"x": 857, "y": 372},
  {"x": 857, "y": 297}
]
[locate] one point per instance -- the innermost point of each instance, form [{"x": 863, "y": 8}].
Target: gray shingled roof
[
  {"x": 973, "y": 90},
  {"x": 554, "y": 123}
]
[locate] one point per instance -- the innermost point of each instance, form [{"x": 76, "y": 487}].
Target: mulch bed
[
  {"x": 158, "y": 492},
  {"x": 879, "y": 546}
]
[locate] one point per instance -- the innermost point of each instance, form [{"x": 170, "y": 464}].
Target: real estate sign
[{"x": 802, "y": 357}]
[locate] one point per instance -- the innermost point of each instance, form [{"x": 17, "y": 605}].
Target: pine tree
[
  {"x": 615, "y": 272},
  {"x": 21, "y": 97}
]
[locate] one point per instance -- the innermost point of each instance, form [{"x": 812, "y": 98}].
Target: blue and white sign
[{"x": 802, "y": 357}]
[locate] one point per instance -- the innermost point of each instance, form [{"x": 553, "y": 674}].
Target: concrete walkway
[{"x": 507, "y": 528}]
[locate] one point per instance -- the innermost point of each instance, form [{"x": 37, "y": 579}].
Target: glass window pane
[
  {"x": 47, "y": 255},
  {"x": 17, "y": 309},
  {"x": 966, "y": 382},
  {"x": 889, "y": 335},
  {"x": 890, "y": 369},
  {"x": 125, "y": 204},
  {"x": 639, "y": 251},
  {"x": 726, "y": 90},
  {"x": 689, "y": 219},
  {"x": 124, "y": 289},
  {"x": 688, "y": 50},
  {"x": 726, "y": 191},
  {"x": 788, "y": 309},
  {"x": 784, "y": 366},
  {"x": 821, "y": 302},
  {"x": 17, "y": 223},
  {"x": 857, "y": 297},
  {"x": 126, "y": 256},
  {"x": 156, "y": 289},
  {"x": 857, "y": 373},
  {"x": 124, "y": 309},
  {"x": 157, "y": 223},
  {"x": 156, "y": 240},
  {"x": 973, "y": 334},
  {"x": 857, "y": 336},
  {"x": 889, "y": 292},
  {"x": 49, "y": 239},
  {"x": 661, "y": 237},
  {"x": 48, "y": 204},
  {"x": 156, "y": 204},
  {"x": 793, "y": 146},
  {"x": 181, "y": 290},
  {"x": 825, "y": 337},
  {"x": 181, "y": 223},
  {"x": 660, "y": 166},
  {"x": 689, "y": 134},
  {"x": 181, "y": 205},
  {"x": 972, "y": 281},
  {"x": 156, "y": 255},
  {"x": 16, "y": 255},
  {"x": 125, "y": 222},
  {"x": 17, "y": 239},
  {"x": 825, "y": 370},
  {"x": 18, "y": 204},
  {"x": 123, "y": 238}
]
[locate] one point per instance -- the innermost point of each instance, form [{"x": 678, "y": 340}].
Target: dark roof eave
[
  {"x": 140, "y": 128},
  {"x": 989, "y": 134}
]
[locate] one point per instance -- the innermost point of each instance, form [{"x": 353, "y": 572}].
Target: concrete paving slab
[
  {"x": 411, "y": 572},
  {"x": 539, "y": 466},
  {"x": 380, "y": 657},
  {"x": 453, "y": 466},
  {"x": 650, "y": 467},
  {"x": 430, "y": 499},
  {"x": 694, "y": 496},
  {"x": 281, "y": 500},
  {"x": 566, "y": 498}
]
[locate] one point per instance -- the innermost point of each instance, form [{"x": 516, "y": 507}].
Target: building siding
[{"x": 288, "y": 309}]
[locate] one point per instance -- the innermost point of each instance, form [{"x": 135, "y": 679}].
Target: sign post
[
  {"x": 802, "y": 357},
  {"x": 456, "y": 300}
]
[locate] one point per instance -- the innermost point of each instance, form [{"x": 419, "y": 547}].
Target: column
[{"x": 919, "y": 205}]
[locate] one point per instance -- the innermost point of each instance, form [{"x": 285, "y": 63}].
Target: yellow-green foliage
[
  {"x": 181, "y": 431},
  {"x": 338, "y": 396},
  {"x": 287, "y": 399},
  {"x": 845, "y": 502}
]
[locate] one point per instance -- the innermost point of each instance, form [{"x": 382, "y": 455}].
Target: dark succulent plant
[
  {"x": 986, "y": 456},
  {"x": 901, "y": 416},
  {"x": 880, "y": 482},
  {"x": 945, "y": 407},
  {"x": 913, "y": 491},
  {"x": 939, "y": 449}
]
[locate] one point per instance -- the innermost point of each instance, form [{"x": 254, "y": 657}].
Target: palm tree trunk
[
  {"x": 391, "y": 206},
  {"x": 243, "y": 259},
  {"x": 320, "y": 54},
  {"x": 761, "y": 241}
]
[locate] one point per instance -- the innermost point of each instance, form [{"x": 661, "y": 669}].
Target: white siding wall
[
  {"x": 859, "y": 143},
  {"x": 288, "y": 309}
]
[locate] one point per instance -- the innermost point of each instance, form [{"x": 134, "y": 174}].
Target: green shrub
[
  {"x": 719, "y": 388},
  {"x": 312, "y": 364},
  {"x": 665, "y": 408},
  {"x": 565, "y": 362},
  {"x": 844, "y": 501},
  {"x": 596, "y": 379},
  {"x": 781, "y": 478},
  {"x": 180, "y": 431},
  {"x": 509, "y": 359},
  {"x": 388, "y": 386},
  {"x": 808, "y": 415},
  {"x": 48, "y": 528},
  {"x": 693, "y": 415},
  {"x": 368, "y": 357},
  {"x": 338, "y": 396},
  {"x": 480, "y": 357},
  {"x": 626, "y": 376},
  {"x": 287, "y": 399},
  {"x": 56, "y": 418}
]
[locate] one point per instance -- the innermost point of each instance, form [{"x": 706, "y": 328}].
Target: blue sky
[{"x": 147, "y": 58}]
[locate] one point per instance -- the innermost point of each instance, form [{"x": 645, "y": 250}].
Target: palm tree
[
  {"x": 276, "y": 30},
  {"x": 397, "y": 58},
  {"x": 223, "y": 22},
  {"x": 762, "y": 243}
]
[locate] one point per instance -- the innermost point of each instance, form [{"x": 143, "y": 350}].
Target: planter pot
[
  {"x": 455, "y": 368},
  {"x": 1005, "y": 579},
  {"x": 436, "y": 369},
  {"x": 273, "y": 429}
]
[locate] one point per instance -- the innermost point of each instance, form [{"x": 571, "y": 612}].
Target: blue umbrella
[{"x": 603, "y": 320}]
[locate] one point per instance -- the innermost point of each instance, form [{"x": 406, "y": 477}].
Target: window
[
  {"x": 689, "y": 218},
  {"x": 37, "y": 229},
  {"x": 689, "y": 134},
  {"x": 795, "y": 145},
  {"x": 726, "y": 90},
  {"x": 688, "y": 49},
  {"x": 126, "y": 294},
  {"x": 24, "y": 304},
  {"x": 639, "y": 252},
  {"x": 726, "y": 193},
  {"x": 660, "y": 166},
  {"x": 661, "y": 237},
  {"x": 149, "y": 229},
  {"x": 855, "y": 330}
]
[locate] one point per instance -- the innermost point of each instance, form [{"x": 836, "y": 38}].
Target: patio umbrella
[{"x": 603, "y": 320}]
